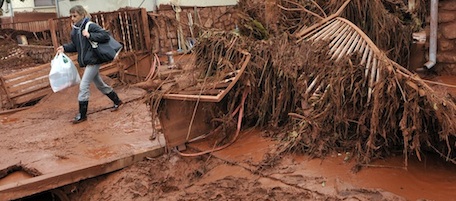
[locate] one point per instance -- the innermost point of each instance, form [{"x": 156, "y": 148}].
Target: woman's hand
[
  {"x": 60, "y": 49},
  {"x": 86, "y": 33}
]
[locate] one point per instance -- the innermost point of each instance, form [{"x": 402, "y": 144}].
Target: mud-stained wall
[
  {"x": 446, "y": 53},
  {"x": 165, "y": 25}
]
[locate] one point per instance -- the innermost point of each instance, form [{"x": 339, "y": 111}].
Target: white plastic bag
[{"x": 63, "y": 73}]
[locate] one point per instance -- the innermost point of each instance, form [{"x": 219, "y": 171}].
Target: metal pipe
[
  {"x": 154, "y": 6},
  {"x": 12, "y": 12},
  {"x": 57, "y": 8},
  {"x": 433, "y": 35}
]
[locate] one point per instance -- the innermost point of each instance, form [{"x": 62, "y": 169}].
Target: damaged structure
[{"x": 325, "y": 75}]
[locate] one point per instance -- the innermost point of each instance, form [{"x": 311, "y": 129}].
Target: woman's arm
[
  {"x": 69, "y": 47},
  {"x": 96, "y": 33}
]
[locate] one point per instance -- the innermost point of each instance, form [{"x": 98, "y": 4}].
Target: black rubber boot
[
  {"x": 115, "y": 99},
  {"x": 82, "y": 115}
]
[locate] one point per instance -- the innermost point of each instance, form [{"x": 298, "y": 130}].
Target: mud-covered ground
[
  {"x": 233, "y": 173},
  {"x": 12, "y": 56},
  {"x": 172, "y": 177}
]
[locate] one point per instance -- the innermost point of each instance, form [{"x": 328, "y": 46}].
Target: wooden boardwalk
[{"x": 42, "y": 141}]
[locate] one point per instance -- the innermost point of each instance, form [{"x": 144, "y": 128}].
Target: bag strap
[{"x": 86, "y": 28}]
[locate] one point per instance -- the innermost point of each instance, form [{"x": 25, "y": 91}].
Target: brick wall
[
  {"x": 165, "y": 25},
  {"x": 446, "y": 41}
]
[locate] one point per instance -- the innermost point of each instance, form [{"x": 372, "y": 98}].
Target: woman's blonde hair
[{"x": 80, "y": 10}]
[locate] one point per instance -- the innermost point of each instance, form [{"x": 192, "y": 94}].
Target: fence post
[
  {"x": 55, "y": 43},
  {"x": 145, "y": 21}
]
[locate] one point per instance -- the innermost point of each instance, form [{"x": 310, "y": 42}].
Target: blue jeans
[{"x": 91, "y": 73}]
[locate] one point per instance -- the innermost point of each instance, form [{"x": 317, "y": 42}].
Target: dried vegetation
[{"x": 401, "y": 113}]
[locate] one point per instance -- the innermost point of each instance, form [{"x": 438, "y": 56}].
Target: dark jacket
[{"x": 80, "y": 44}]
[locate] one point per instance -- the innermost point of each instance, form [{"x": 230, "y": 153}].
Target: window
[{"x": 39, "y": 3}]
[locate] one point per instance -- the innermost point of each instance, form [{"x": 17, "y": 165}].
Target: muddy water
[
  {"x": 449, "y": 80},
  {"x": 431, "y": 178}
]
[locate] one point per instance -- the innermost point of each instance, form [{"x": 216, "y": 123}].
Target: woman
[{"x": 88, "y": 59}]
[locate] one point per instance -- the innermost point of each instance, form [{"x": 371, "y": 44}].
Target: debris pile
[
  {"x": 391, "y": 111},
  {"x": 13, "y": 57}
]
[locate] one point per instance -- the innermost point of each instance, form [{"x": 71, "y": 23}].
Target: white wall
[
  {"x": 111, "y": 5},
  {"x": 20, "y": 6},
  {"x": 93, "y": 6},
  {"x": 25, "y": 6},
  {"x": 17, "y": 6},
  {"x": 199, "y": 3},
  {"x": 6, "y": 10}
]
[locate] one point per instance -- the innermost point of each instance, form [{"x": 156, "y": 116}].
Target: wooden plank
[
  {"x": 183, "y": 97},
  {"x": 219, "y": 97},
  {"x": 176, "y": 120},
  {"x": 168, "y": 73},
  {"x": 216, "y": 85},
  {"x": 27, "y": 71},
  {"x": 36, "y": 75},
  {"x": 32, "y": 96},
  {"x": 109, "y": 69},
  {"x": 32, "y": 70},
  {"x": 54, "y": 180},
  {"x": 25, "y": 86},
  {"x": 4, "y": 96},
  {"x": 14, "y": 110},
  {"x": 145, "y": 24},
  {"x": 202, "y": 92},
  {"x": 53, "y": 31},
  {"x": 29, "y": 88},
  {"x": 4, "y": 92}
]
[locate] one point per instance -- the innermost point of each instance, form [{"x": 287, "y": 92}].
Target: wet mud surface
[{"x": 235, "y": 173}]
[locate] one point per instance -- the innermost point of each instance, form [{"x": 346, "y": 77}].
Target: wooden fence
[
  {"x": 35, "y": 26},
  {"x": 130, "y": 27}
]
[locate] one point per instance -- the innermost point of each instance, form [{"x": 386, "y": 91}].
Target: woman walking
[{"x": 88, "y": 59}]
